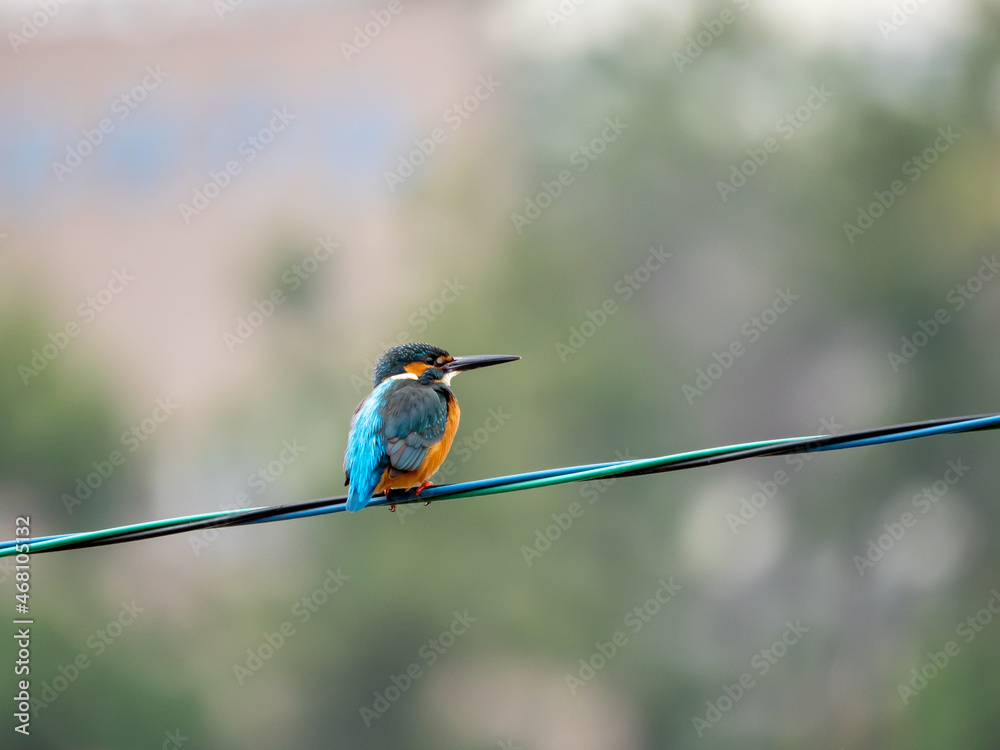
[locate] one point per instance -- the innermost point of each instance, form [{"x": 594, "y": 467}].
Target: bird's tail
[{"x": 359, "y": 494}]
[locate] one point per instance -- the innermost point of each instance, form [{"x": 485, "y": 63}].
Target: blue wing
[
  {"x": 392, "y": 429},
  {"x": 365, "y": 457}
]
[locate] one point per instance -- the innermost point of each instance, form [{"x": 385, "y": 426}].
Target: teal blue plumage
[
  {"x": 401, "y": 433},
  {"x": 392, "y": 429},
  {"x": 365, "y": 457}
]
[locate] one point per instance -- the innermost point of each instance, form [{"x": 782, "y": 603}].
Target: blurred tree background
[{"x": 699, "y": 225}]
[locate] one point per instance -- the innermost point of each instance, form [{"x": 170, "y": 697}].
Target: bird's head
[{"x": 430, "y": 363}]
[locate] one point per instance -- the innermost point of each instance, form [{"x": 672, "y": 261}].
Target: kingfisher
[{"x": 402, "y": 431}]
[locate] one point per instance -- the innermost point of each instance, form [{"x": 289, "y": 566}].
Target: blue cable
[{"x": 513, "y": 482}]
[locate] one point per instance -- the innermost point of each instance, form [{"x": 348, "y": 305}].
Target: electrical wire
[{"x": 503, "y": 484}]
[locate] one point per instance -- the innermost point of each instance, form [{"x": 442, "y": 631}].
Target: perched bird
[{"x": 401, "y": 433}]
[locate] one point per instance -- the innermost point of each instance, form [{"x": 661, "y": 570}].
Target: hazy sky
[{"x": 809, "y": 21}]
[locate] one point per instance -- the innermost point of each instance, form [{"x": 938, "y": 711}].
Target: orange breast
[{"x": 436, "y": 455}]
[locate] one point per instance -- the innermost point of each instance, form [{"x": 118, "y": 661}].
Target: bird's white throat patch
[{"x": 446, "y": 378}]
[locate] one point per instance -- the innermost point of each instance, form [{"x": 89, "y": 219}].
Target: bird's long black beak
[{"x": 460, "y": 364}]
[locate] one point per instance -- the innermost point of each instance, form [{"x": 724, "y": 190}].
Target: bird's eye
[{"x": 429, "y": 360}]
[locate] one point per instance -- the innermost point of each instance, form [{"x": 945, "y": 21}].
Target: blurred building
[{"x": 190, "y": 150}]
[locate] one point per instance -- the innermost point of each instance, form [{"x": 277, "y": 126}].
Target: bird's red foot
[
  {"x": 424, "y": 485},
  {"x": 392, "y": 508}
]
